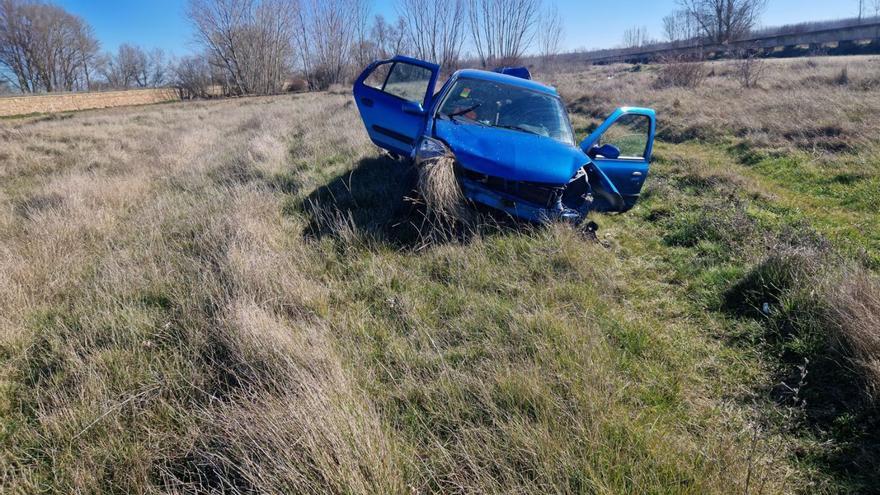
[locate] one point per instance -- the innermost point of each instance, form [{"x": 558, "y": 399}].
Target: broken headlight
[{"x": 430, "y": 148}]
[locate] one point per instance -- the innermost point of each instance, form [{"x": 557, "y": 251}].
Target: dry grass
[
  {"x": 211, "y": 296},
  {"x": 674, "y": 74},
  {"x": 855, "y": 305},
  {"x": 446, "y": 211},
  {"x": 799, "y": 104},
  {"x": 147, "y": 274},
  {"x": 438, "y": 187}
]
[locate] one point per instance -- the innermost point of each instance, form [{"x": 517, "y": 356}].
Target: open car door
[
  {"x": 393, "y": 97},
  {"x": 621, "y": 148}
]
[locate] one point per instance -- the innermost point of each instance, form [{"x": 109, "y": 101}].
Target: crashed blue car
[{"x": 511, "y": 139}]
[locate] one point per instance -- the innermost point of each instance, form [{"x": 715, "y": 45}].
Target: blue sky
[{"x": 589, "y": 23}]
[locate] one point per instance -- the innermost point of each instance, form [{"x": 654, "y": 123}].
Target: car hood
[{"x": 511, "y": 155}]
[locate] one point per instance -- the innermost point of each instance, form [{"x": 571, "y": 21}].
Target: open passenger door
[
  {"x": 393, "y": 97},
  {"x": 621, "y": 148}
]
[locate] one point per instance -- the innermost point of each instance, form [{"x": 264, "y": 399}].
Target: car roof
[{"x": 506, "y": 79}]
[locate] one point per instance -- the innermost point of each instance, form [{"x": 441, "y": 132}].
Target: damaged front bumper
[
  {"x": 538, "y": 203},
  {"x": 531, "y": 201}
]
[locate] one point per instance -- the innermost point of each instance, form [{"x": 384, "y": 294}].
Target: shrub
[
  {"x": 680, "y": 74},
  {"x": 842, "y": 79},
  {"x": 297, "y": 85},
  {"x": 749, "y": 71}
]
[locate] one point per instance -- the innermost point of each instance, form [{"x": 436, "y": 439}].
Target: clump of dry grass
[
  {"x": 438, "y": 188},
  {"x": 854, "y": 302},
  {"x": 820, "y": 310}
]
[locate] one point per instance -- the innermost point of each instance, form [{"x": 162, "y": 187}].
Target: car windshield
[{"x": 501, "y": 105}]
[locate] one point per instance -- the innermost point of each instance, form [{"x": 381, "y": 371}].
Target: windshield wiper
[
  {"x": 518, "y": 128},
  {"x": 462, "y": 112}
]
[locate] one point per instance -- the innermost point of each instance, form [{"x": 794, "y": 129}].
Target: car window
[
  {"x": 408, "y": 81},
  {"x": 377, "y": 78},
  {"x": 509, "y": 107},
  {"x": 629, "y": 134}
]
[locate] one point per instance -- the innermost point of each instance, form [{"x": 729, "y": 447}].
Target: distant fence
[{"x": 68, "y": 102}]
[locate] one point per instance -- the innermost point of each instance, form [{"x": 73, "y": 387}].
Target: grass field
[{"x": 226, "y": 296}]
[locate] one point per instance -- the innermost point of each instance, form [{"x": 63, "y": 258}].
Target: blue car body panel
[
  {"x": 399, "y": 125},
  {"x": 384, "y": 115},
  {"x": 510, "y": 154},
  {"x": 627, "y": 173},
  {"x": 505, "y": 79},
  {"x": 521, "y": 72}
]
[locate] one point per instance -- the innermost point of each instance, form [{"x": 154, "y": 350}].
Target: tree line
[
  {"x": 248, "y": 45},
  {"x": 705, "y": 21},
  {"x": 265, "y": 46},
  {"x": 44, "y": 48}
]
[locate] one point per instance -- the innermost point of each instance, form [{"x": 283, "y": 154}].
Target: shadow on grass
[
  {"x": 814, "y": 369},
  {"x": 376, "y": 199}
]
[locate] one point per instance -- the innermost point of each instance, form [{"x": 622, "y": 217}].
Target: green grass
[{"x": 240, "y": 304}]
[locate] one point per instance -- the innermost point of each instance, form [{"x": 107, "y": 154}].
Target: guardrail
[{"x": 841, "y": 37}]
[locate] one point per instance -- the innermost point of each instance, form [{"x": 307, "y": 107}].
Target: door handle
[
  {"x": 637, "y": 174},
  {"x": 367, "y": 102}
]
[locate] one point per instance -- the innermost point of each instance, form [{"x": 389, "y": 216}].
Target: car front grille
[{"x": 543, "y": 195}]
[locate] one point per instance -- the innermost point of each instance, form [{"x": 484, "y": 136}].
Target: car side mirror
[
  {"x": 413, "y": 108},
  {"x": 608, "y": 151}
]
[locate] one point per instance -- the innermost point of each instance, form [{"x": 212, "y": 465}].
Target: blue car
[{"x": 511, "y": 138}]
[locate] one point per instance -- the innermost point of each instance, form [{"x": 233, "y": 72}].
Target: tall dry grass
[
  {"x": 797, "y": 104},
  {"x": 161, "y": 327},
  {"x": 855, "y": 305},
  {"x": 209, "y": 297}
]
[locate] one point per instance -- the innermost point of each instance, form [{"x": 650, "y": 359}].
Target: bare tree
[
  {"x": 435, "y": 29},
  {"x": 192, "y": 76},
  {"x": 381, "y": 33},
  {"x": 388, "y": 39},
  {"x": 158, "y": 68},
  {"x": 635, "y": 37},
  {"x": 329, "y": 35},
  {"x": 679, "y": 26},
  {"x": 128, "y": 67},
  {"x": 721, "y": 21},
  {"x": 363, "y": 46},
  {"x": 140, "y": 68},
  {"x": 44, "y": 48},
  {"x": 250, "y": 40},
  {"x": 551, "y": 33},
  {"x": 87, "y": 47},
  {"x": 502, "y": 30}
]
